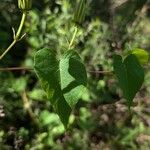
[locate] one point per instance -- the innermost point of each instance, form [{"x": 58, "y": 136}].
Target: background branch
[{"x": 31, "y": 69}]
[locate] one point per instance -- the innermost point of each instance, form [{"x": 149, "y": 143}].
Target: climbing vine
[{"x": 63, "y": 76}]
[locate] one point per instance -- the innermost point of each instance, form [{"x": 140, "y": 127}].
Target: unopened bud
[
  {"x": 80, "y": 12},
  {"x": 25, "y": 5}
]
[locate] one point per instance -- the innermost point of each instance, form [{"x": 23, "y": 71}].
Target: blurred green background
[{"x": 100, "y": 120}]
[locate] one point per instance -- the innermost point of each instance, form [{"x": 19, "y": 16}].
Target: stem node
[{"x": 16, "y": 36}]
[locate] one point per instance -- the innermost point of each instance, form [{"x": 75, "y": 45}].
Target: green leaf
[
  {"x": 63, "y": 81},
  {"x": 130, "y": 75},
  {"x": 46, "y": 67},
  {"x": 19, "y": 85},
  {"x": 142, "y": 55},
  {"x": 73, "y": 77}
]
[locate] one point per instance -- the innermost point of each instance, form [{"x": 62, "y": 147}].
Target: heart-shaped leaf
[
  {"x": 73, "y": 77},
  {"x": 63, "y": 81},
  {"x": 130, "y": 75}
]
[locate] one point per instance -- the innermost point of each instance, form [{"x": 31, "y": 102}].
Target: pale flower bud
[{"x": 25, "y": 5}]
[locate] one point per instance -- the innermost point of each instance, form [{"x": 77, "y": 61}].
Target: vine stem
[
  {"x": 17, "y": 36},
  {"x": 24, "y": 15},
  {"x": 73, "y": 37}
]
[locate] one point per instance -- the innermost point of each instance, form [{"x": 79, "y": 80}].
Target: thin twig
[
  {"x": 101, "y": 72},
  {"x": 30, "y": 69},
  {"x": 16, "y": 69}
]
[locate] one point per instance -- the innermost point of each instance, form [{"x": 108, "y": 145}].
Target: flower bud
[
  {"x": 25, "y": 5},
  {"x": 80, "y": 12}
]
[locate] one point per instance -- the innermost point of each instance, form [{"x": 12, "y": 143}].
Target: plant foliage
[
  {"x": 63, "y": 80},
  {"x": 130, "y": 75}
]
